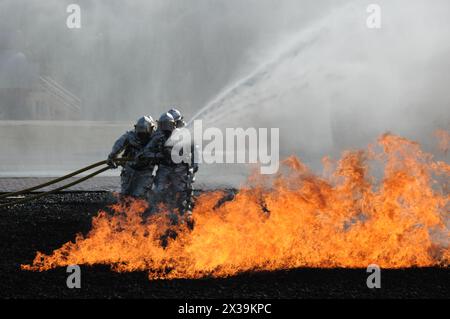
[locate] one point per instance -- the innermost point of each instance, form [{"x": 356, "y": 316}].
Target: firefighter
[
  {"x": 173, "y": 181},
  {"x": 135, "y": 180}
]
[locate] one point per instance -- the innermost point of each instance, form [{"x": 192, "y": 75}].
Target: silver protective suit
[
  {"x": 173, "y": 181},
  {"x": 135, "y": 181}
]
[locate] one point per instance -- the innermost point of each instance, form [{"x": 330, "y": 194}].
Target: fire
[{"x": 386, "y": 205}]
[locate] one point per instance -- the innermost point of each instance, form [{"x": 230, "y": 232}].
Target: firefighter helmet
[
  {"x": 166, "y": 122},
  {"x": 145, "y": 125}
]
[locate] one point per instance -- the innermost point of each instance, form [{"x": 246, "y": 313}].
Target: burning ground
[{"x": 291, "y": 235}]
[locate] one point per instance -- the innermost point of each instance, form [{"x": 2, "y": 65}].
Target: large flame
[{"x": 387, "y": 205}]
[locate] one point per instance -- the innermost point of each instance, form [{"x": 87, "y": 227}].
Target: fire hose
[{"x": 119, "y": 161}]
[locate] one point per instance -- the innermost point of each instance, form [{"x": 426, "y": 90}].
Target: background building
[{"x": 26, "y": 94}]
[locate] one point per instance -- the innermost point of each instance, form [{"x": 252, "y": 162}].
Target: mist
[
  {"x": 311, "y": 68},
  {"x": 130, "y": 58},
  {"x": 336, "y": 84}
]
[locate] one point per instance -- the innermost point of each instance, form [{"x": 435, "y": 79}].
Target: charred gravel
[{"x": 46, "y": 224}]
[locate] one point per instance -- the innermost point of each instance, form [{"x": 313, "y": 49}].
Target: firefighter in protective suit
[
  {"x": 172, "y": 183},
  {"x": 189, "y": 160},
  {"x": 135, "y": 181}
]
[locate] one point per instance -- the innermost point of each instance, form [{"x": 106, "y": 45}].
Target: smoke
[
  {"x": 337, "y": 84},
  {"x": 311, "y": 68},
  {"x": 137, "y": 57}
]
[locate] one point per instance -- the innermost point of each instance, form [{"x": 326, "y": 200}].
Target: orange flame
[{"x": 347, "y": 218}]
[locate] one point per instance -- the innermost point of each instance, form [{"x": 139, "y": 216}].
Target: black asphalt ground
[
  {"x": 46, "y": 224},
  {"x": 98, "y": 183}
]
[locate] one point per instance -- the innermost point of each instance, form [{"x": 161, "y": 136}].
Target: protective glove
[{"x": 110, "y": 162}]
